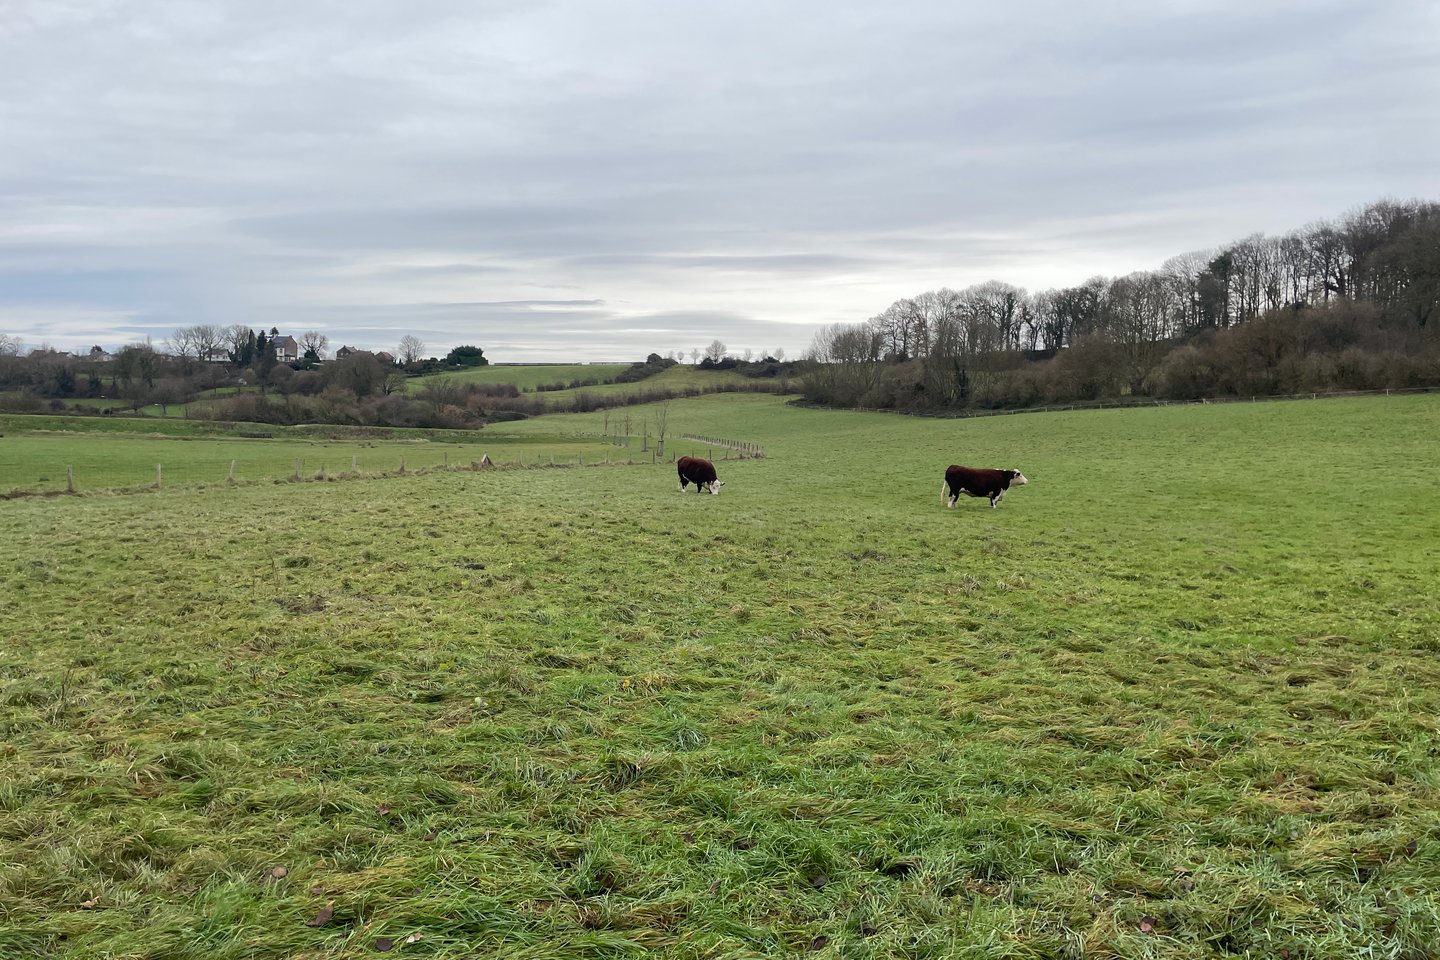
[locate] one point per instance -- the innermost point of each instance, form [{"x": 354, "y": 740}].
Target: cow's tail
[{"x": 944, "y": 493}]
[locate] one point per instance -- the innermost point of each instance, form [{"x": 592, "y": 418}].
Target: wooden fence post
[
  {"x": 402, "y": 466},
  {"x": 297, "y": 469},
  {"x": 447, "y": 459},
  {"x": 69, "y": 478},
  {"x": 353, "y": 468},
  {"x": 158, "y": 476},
  {"x": 230, "y": 477}
]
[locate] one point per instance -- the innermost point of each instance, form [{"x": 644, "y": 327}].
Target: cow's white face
[
  {"x": 715, "y": 487},
  {"x": 1019, "y": 480}
]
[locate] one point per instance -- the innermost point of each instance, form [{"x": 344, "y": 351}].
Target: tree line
[
  {"x": 356, "y": 388},
  {"x": 1349, "y": 303},
  {"x": 200, "y": 358}
]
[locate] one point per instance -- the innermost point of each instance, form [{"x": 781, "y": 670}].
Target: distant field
[
  {"x": 116, "y": 453},
  {"x": 39, "y": 463},
  {"x": 1176, "y": 698},
  {"x": 528, "y": 376},
  {"x": 679, "y": 378},
  {"x": 524, "y": 377}
]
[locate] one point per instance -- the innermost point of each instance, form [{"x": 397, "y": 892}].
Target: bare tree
[
  {"x": 779, "y": 354},
  {"x": 233, "y": 338},
  {"x": 694, "y": 356},
  {"x": 362, "y": 373},
  {"x": 199, "y": 342},
  {"x": 10, "y": 345},
  {"x": 1136, "y": 316},
  {"x": 410, "y": 349},
  {"x": 749, "y": 354},
  {"x": 848, "y": 363},
  {"x": 137, "y": 363},
  {"x": 662, "y": 420},
  {"x": 182, "y": 344},
  {"x": 393, "y": 381},
  {"x": 715, "y": 352},
  {"x": 313, "y": 341},
  {"x": 1328, "y": 260},
  {"x": 439, "y": 393}
]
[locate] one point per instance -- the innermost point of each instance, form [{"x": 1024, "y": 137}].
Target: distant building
[
  {"x": 344, "y": 352},
  {"x": 287, "y": 350},
  {"x": 217, "y": 355},
  {"x": 385, "y": 357},
  {"x": 98, "y": 354}
]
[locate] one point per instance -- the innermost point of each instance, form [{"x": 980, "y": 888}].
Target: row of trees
[
  {"x": 238, "y": 344},
  {"x": 716, "y": 352},
  {"x": 1374, "y": 273},
  {"x": 139, "y": 374}
]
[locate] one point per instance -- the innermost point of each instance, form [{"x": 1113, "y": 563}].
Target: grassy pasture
[
  {"x": 677, "y": 378},
  {"x": 36, "y": 462},
  {"x": 1176, "y": 698},
  {"x": 529, "y": 376}
]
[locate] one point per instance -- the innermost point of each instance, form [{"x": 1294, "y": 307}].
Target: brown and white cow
[
  {"x": 700, "y": 472},
  {"x": 979, "y": 483}
]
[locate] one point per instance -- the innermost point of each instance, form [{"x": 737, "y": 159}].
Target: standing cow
[
  {"x": 979, "y": 483},
  {"x": 700, "y": 472}
]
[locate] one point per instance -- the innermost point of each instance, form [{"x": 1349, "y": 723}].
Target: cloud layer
[{"x": 595, "y": 181}]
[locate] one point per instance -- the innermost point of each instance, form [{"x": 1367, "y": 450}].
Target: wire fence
[
  {"x": 44, "y": 463},
  {"x": 92, "y": 477},
  {"x": 1116, "y": 404},
  {"x": 745, "y": 450}
]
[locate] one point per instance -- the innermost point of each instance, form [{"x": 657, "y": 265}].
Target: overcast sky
[{"x": 588, "y": 180}]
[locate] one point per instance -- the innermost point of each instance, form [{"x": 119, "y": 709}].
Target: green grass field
[
  {"x": 525, "y": 377},
  {"x": 1178, "y": 697},
  {"x": 120, "y": 453},
  {"x": 678, "y": 378},
  {"x": 529, "y": 376}
]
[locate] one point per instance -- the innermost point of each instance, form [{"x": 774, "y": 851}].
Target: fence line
[
  {"x": 1146, "y": 402},
  {"x": 650, "y": 442},
  {"x": 319, "y": 474},
  {"x": 746, "y": 450}
]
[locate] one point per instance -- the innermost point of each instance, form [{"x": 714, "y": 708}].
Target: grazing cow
[
  {"x": 700, "y": 472},
  {"x": 979, "y": 483}
]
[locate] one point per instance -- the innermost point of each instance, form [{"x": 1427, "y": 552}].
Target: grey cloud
[
  {"x": 759, "y": 263},
  {"x": 731, "y": 171}
]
